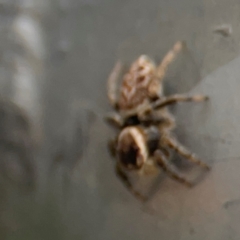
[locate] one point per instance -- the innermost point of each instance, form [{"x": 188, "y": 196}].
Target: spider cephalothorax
[
  {"x": 142, "y": 118},
  {"x": 132, "y": 149}
]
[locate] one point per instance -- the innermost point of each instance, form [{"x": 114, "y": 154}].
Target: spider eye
[
  {"x": 141, "y": 79},
  {"x": 131, "y": 149},
  {"x": 128, "y": 157},
  {"x": 131, "y": 158}
]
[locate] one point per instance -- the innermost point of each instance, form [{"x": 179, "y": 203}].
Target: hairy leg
[
  {"x": 112, "y": 85},
  {"x": 181, "y": 150},
  {"x": 124, "y": 178},
  {"x": 170, "y": 169},
  {"x": 168, "y": 59},
  {"x": 155, "y": 89},
  {"x": 163, "y": 102},
  {"x": 115, "y": 120}
]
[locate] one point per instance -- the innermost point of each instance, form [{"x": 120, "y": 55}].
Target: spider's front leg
[
  {"x": 124, "y": 178},
  {"x": 170, "y": 169},
  {"x": 181, "y": 150}
]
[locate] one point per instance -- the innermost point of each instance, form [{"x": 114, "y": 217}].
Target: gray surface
[
  {"x": 83, "y": 40},
  {"x": 209, "y": 211}
]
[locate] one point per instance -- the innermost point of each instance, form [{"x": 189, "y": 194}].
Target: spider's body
[
  {"x": 137, "y": 84},
  {"x": 142, "y": 118}
]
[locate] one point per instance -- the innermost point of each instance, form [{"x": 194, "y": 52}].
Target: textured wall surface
[{"x": 55, "y": 59}]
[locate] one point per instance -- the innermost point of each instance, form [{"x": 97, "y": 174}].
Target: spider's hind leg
[
  {"x": 168, "y": 59},
  {"x": 112, "y": 85}
]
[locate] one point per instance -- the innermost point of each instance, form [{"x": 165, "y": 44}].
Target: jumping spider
[{"x": 143, "y": 121}]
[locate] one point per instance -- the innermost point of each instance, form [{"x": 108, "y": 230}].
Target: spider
[{"x": 143, "y": 121}]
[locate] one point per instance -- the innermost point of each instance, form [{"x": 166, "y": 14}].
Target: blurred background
[{"x": 56, "y": 177}]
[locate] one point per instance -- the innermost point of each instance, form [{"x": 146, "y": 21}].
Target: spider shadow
[
  {"x": 195, "y": 173},
  {"x": 192, "y": 172}
]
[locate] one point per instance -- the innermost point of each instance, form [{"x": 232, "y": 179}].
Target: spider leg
[
  {"x": 155, "y": 89},
  {"x": 169, "y": 58},
  {"x": 181, "y": 150},
  {"x": 115, "y": 120},
  {"x": 112, "y": 85},
  {"x": 165, "y": 101},
  {"x": 165, "y": 152},
  {"x": 124, "y": 178},
  {"x": 152, "y": 118},
  {"x": 177, "y": 98},
  {"x": 170, "y": 169}
]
